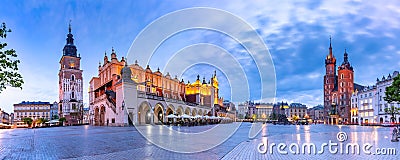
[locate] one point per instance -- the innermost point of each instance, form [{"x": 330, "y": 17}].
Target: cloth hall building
[{"x": 124, "y": 94}]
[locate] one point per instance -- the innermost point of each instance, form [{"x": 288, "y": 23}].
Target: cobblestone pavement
[
  {"x": 376, "y": 137},
  {"x": 90, "y": 142}
]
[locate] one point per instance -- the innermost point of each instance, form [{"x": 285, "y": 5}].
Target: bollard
[{"x": 394, "y": 135}]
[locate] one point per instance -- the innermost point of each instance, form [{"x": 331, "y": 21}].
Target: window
[
  {"x": 341, "y": 76},
  {"x": 73, "y": 106},
  {"x": 113, "y": 120},
  {"x": 73, "y": 95},
  {"x": 147, "y": 88},
  {"x": 72, "y": 77}
]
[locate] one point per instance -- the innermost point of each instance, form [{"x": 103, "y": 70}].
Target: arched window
[
  {"x": 73, "y": 95},
  {"x": 342, "y": 76},
  {"x": 72, "y": 77}
]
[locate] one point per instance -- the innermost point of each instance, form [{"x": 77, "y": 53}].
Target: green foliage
[
  {"x": 393, "y": 91},
  {"x": 392, "y": 111},
  {"x": 8, "y": 63},
  {"x": 273, "y": 116},
  {"x": 27, "y": 120},
  {"x": 41, "y": 120},
  {"x": 295, "y": 118},
  {"x": 393, "y": 95},
  {"x": 62, "y": 119}
]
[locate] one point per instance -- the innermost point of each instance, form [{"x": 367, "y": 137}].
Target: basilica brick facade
[{"x": 338, "y": 89}]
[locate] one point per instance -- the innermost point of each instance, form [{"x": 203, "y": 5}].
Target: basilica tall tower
[
  {"x": 330, "y": 83},
  {"x": 70, "y": 83}
]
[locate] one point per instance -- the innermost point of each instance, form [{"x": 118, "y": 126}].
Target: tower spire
[
  {"x": 70, "y": 48},
  {"x": 346, "y": 58},
  {"x": 330, "y": 47},
  {"x": 69, "y": 27}
]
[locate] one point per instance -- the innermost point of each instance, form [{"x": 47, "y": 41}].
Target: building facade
[
  {"x": 229, "y": 110},
  {"x": 264, "y": 110},
  {"x": 86, "y": 116},
  {"x": 363, "y": 110},
  {"x": 33, "y": 110},
  {"x": 5, "y": 118},
  {"x": 281, "y": 108},
  {"x": 296, "y": 110},
  {"x": 368, "y": 104},
  {"x": 242, "y": 110},
  {"x": 338, "y": 89},
  {"x": 124, "y": 95},
  {"x": 70, "y": 83},
  {"x": 54, "y": 111},
  {"x": 381, "y": 104},
  {"x": 316, "y": 114}
]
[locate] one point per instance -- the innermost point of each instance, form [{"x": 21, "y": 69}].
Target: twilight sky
[{"x": 295, "y": 32}]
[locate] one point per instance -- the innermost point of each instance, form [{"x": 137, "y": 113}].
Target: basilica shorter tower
[{"x": 70, "y": 83}]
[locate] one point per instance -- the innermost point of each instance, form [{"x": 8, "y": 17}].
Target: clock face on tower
[{"x": 71, "y": 64}]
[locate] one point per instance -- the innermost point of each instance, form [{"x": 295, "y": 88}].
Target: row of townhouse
[{"x": 368, "y": 105}]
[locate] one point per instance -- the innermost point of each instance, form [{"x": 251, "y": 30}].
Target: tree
[
  {"x": 295, "y": 118},
  {"x": 55, "y": 116},
  {"x": 273, "y": 116},
  {"x": 28, "y": 121},
  {"x": 393, "y": 95},
  {"x": 8, "y": 64},
  {"x": 62, "y": 120},
  {"x": 41, "y": 121}
]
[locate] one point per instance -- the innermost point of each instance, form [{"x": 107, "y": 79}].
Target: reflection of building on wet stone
[{"x": 123, "y": 95}]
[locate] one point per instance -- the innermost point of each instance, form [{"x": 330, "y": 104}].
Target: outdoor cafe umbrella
[
  {"x": 172, "y": 116},
  {"x": 198, "y": 116},
  {"x": 186, "y": 116}
]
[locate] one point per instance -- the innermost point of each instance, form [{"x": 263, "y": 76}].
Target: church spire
[
  {"x": 70, "y": 48},
  {"x": 330, "y": 59},
  {"x": 69, "y": 27},
  {"x": 330, "y": 47},
  {"x": 346, "y": 63}
]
